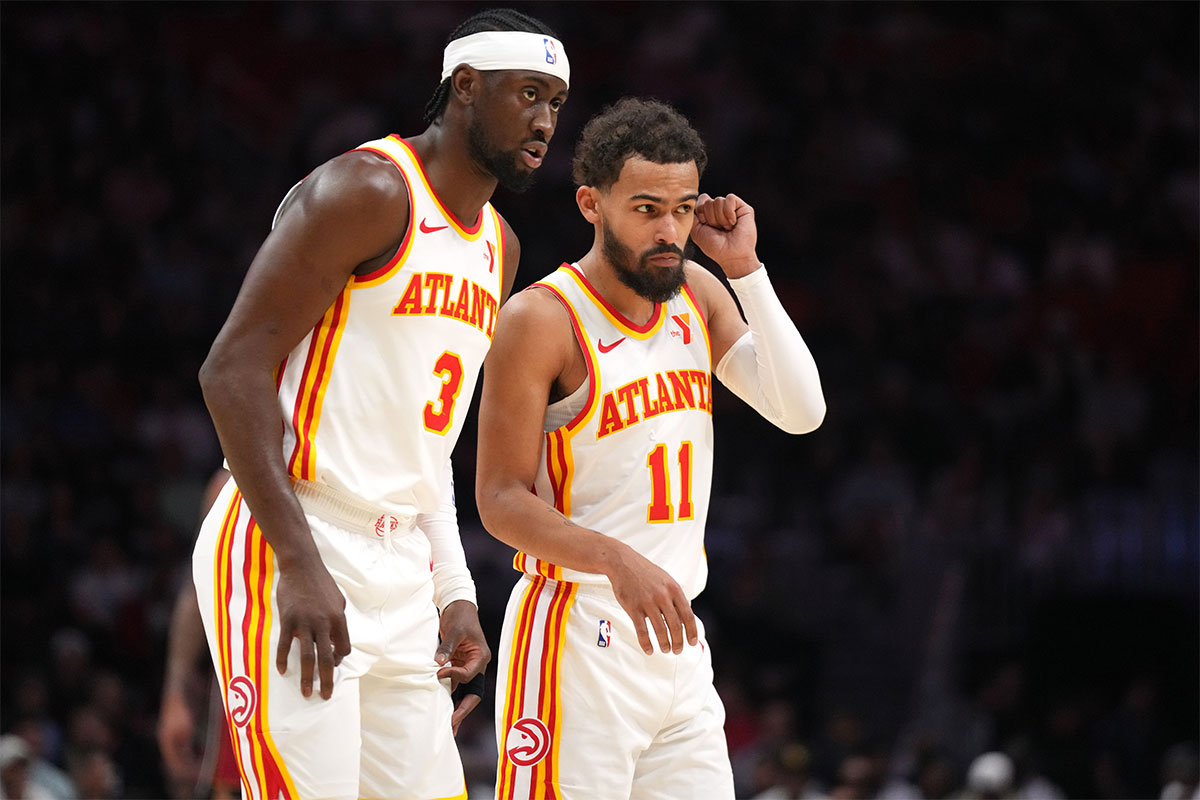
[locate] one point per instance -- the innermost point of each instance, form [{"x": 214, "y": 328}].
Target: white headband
[{"x": 508, "y": 50}]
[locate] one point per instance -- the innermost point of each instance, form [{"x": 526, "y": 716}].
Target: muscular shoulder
[
  {"x": 360, "y": 180},
  {"x": 358, "y": 185},
  {"x": 358, "y": 200}
]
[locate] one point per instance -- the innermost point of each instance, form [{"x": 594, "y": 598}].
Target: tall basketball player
[
  {"x": 338, "y": 387},
  {"x": 597, "y": 394}
]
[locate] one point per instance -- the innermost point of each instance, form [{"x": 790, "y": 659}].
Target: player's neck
[
  {"x": 603, "y": 278},
  {"x": 459, "y": 183}
]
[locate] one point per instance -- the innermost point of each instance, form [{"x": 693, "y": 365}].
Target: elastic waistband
[
  {"x": 599, "y": 587},
  {"x": 349, "y": 512}
]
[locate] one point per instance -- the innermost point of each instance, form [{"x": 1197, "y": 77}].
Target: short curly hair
[{"x": 634, "y": 127}]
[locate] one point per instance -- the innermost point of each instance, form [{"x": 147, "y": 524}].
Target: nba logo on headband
[{"x": 489, "y": 50}]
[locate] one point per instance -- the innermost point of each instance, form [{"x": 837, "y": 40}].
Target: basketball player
[
  {"x": 597, "y": 394},
  {"x": 338, "y": 387}
]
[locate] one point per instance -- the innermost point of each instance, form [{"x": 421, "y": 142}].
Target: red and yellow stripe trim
[
  {"x": 691, "y": 301},
  {"x": 501, "y": 242},
  {"x": 589, "y": 357},
  {"x": 544, "y": 775},
  {"x": 614, "y": 316},
  {"x": 560, "y": 469},
  {"x": 378, "y": 276},
  {"x": 263, "y": 772},
  {"x": 470, "y": 232},
  {"x": 314, "y": 380}
]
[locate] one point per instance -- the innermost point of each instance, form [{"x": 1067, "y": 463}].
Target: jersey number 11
[{"x": 660, "y": 508}]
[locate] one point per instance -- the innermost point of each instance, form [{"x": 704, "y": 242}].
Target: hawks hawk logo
[
  {"x": 528, "y": 741},
  {"x": 242, "y": 699}
]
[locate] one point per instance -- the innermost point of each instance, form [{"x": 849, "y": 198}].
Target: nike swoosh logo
[
  {"x": 426, "y": 229},
  {"x": 604, "y": 348}
]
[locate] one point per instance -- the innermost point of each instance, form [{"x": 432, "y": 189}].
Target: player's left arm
[
  {"x": 762, "y": 359},
  {"x": 462, "y": 652}
]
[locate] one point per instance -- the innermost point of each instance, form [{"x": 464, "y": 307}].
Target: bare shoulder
[
  {"x": 534, "y": 351},
  {"x": 535, "y": 313},
  {"x": 359, "y": 179},
  {"x": 706, "y": 286},
  {"x": 349, "y": 211}
]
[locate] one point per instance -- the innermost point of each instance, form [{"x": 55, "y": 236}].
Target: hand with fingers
[
  {"x": 726, "y": 232},
  {"x": 312, "y": 611},
  {"x": 647, "y": 592},
  {"x": 463, "y": 653}
]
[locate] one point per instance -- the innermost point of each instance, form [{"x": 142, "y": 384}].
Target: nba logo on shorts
[
  {"x": 605, "y": 633},
  {"x": 551, "y": 56}
]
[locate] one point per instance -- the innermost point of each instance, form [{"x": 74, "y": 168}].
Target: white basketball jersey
[
  {"x": 635, "y": 462},
  {"x": 373, "y": 399}
]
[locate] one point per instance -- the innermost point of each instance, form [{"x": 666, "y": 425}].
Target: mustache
[{"x": 663, "y": 249}]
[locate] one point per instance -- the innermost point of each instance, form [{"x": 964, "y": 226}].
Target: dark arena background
[{"x": 982, "y": 216}]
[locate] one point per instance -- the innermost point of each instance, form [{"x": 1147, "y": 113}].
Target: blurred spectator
[
  {"x": 786, "y": 775},
  {"x": 43, "y": 771},
  {"x": 990, "y": 777},
  {"x": 1181, "y": 772},
  {"x": 18, "y": 780},
  {"x": 96, "y": 776}
]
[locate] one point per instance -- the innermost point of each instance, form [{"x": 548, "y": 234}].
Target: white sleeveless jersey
[
  {"x": 373, "y": 398},
  {"x": 635, "y": 462}
]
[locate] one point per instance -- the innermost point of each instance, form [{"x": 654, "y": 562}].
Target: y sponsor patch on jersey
[{"x": 684, "y": 321}]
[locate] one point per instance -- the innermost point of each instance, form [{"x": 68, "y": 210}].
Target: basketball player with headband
[{"x": 338, "y": 387}]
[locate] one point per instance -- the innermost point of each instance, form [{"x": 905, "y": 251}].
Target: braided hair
[{"x": 492, "y": 19}]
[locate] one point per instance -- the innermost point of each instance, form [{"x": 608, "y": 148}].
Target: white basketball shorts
[
  {"x": 385, "y": 732},
  {"x": 583, "y": 714}
]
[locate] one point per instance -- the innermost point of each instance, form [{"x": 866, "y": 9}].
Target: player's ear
[
  {"x": 587, "y": 198},
  {"x": 466, "y": 83}
]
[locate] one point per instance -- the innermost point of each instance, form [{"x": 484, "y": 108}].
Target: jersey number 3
[
  {"x": 660, "y": 509},
  {"x": 439, "y": 413}
]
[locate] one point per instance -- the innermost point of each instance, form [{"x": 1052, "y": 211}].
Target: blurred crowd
[{"x": 979, "y": 578}]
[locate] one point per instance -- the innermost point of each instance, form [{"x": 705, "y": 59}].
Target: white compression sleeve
[
  {"x": 451, "y": 578},
  {"x": 770, "y": 367}
]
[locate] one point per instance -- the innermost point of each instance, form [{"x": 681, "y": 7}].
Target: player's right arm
[
  {"x": 533, "y": 353},
  {"x": 350, "y": 213}
]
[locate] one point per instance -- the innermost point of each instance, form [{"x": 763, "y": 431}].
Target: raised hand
[
  {"x": 646, "y": 591},
  {"x": 725, "y": 230},
  {"x": 312, "y": 611}
]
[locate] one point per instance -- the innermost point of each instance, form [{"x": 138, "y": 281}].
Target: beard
[
  {"x": 656, "y": 284},
  {"x": 501, "y": 165}
]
